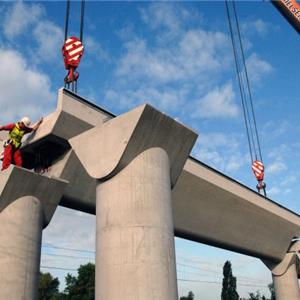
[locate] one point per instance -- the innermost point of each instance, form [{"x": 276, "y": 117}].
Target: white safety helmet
[{"x": 26, "y": 121}]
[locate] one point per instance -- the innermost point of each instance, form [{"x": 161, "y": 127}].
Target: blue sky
[{"x": 176, "y": 56}]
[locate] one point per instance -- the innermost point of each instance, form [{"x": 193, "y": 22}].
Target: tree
[
  {"x": 229, "y": 284},
  {"x": 272, "y": 291},
  {"x": 48, "y": 287},
  {"x": 190, "y": 296},
  {"x": 81, "y": 287}
]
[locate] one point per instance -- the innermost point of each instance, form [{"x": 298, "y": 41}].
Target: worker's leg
[
  {"x": 7, "y": 157},
  {"x": 18, "y": 158}
]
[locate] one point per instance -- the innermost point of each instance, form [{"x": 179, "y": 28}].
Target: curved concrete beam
[
  {"x": 106, "y": 149},
  {"x": 16, "y": 183}
]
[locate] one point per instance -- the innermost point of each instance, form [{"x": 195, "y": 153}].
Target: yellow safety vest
[{"x": 16, "y": 135}]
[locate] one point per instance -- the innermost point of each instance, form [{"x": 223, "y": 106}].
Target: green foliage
[
  {"x": 81, "y": 287},
  {"x": 256, "y": 296},
  {"x": 48, "y": 287},
  {"x": 190, "y": 296},
  {"x": 272, "y": 291},
  {"x": 229, "y": 284}
]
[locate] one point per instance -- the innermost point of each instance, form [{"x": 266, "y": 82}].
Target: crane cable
[
  {"x": 73, "y": 49},
  {"x": 247, "y": 101},
  {"x": 248, "y": 83}
]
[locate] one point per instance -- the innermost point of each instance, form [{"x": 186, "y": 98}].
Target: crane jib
[{"x": 290, "y": 9}]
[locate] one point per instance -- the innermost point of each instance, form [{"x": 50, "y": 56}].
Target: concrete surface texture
[
  {"x": 27, "y": 204},
  {"x": 21, "y": 224},
  {"x": 213, "y": 209},
  {"x": 18, "y": 182},
  {"x": 287, "y": 285},
  {"x": 285, "y": 274},
  {"x": 285, "y": 277},
  {"x": 121, "y": 139},
  {"x": 135, "y": 255},
  {"x": 207, "y": 206}
]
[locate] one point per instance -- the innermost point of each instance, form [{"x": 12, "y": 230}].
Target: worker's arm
[
  {"x": 7, "y": 127},
  {"x": 37, "y": 125}
]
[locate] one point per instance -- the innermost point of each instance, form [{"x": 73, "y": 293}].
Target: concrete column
[
  {"x": 286, "y": 285},
  {"x": 20, "y": 247},
  {"x": 285, "y": 276},
  {"x": 135, "y": 252}
]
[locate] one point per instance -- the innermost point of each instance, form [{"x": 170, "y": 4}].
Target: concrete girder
[
  {"x": 211, "y": 208},
  {"x": 198, "y": 190}
]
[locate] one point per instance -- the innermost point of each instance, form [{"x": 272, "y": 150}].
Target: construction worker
[{"x": 12, "y": 146}]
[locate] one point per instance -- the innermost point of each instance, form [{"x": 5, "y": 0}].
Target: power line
[
  {"x": 218, "y": 282},
  {"x": 178, "y": 279},
  {"x": 68, "y": 249},
  {"x": 69, "y": 256},
  {"x": 218, "y": 273},
  {"x": 57, "y": 268},
  {"x": 178, "y": 264}
]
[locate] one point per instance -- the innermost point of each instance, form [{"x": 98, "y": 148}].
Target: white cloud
[
  {"x": 218, "y": 103},
  {"x": 220, "y": 150},
  {"x": 158, "y": 15},
  {"x": 196, "y": 53},
  {"x": 83, "y": 238},
  {"x": 50, "y": 40},
  {"x": 257, "y": 68},
  {"x": 258, "y": 26},
  {"x": 169, "y": 99},
  {"x": 68, "y": 229},
  {"x": 95, "y": 48},
  {"x": 279, "y": 152},
  {"x": 261, "y": 27},
  {"x": 19, "y": 17},
  {"x": 276, "y": 167},
  {"x": 217, "y": 139},
  {"x": 274, "y": 191},
  {"x": 24, "y": 91}
]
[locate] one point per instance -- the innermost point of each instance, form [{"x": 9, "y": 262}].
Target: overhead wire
[
  {"x": 68, "y": 249},
  {"x": 185, "y": 265},
  {"x": 218, "y": 282}
]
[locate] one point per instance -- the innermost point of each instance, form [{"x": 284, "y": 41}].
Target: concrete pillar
[
  {"x": 285, "y": 276},
  {"x": 135, "y": 252},
  {"x": 286, "y": 285},
  {"x": 20, "y": 247}
]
